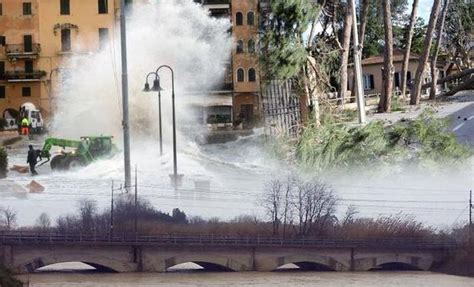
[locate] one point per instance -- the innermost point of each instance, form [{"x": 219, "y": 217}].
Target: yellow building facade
[{"x": 36, "y": 39}]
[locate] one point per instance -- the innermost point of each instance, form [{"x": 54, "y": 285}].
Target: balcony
[
  {"x": 22, "y": 51},
  {"x": 22, "y": 76}
]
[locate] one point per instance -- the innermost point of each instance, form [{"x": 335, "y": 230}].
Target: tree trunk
[
  {"x": 386, "y": 97},
  {"x": 346, "y": 40},
  {"x": 416, "y": 89},
  {"x": 434, "y": 70},
  {"x": 406, "y": 56},
  {"x": 464, "y": 74},
  {"x": 363, "y": 26}
]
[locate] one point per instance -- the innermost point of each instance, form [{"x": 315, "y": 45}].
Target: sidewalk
[{"x": 443, "y": 108}]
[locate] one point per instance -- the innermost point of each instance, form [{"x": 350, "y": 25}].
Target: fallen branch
[{"x": 450, "y": 78}]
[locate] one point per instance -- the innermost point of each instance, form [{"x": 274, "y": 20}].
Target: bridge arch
[
  {"x": 101, "y": 263},
  {"x": 208, "y": 262},
  {"x": 394, "y": 262},
  {"x": 311, "y": 262}
]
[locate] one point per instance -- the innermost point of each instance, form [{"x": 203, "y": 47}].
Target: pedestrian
[
  {"x": 25, "y": 126},
  {"x": 32, "y": 159}
]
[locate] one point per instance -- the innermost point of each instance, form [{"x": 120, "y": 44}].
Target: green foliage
[
  {"x": 424, "y": 141},
  {"x": 284, "y": 54},
  {"x": 7, "y": 279},
  {"x": 3, "y": 162},
  {"x": 397, "y": 105},
  {"x": 3, "y": 124},
  {"x": 374, "y": 37}
]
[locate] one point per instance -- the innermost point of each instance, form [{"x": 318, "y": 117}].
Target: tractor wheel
[
  {"x": 73, "y": 162},
  {"x": 57, "y": 163}
]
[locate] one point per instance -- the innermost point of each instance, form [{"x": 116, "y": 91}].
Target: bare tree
[
  {"x": 277, "y": 201},
  {"x": 351, "y": 212},
  {"x": 416, "y": 89},
  {"x": 9, "y": 217},
  {"x": 272, "y": 202},
  {"x": 346, "y": 40},
  {"x": 409, "y": 38},
  {"x": 314, "y": 204},
  {"x": 386, "y": 97},
  {"x": 43, "y": 221},
  {"x": 87, "y": 212},
  {"x": 434, "y": 59}
]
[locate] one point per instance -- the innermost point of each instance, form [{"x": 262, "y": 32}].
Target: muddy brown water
[{"x": 261, "y": 279}]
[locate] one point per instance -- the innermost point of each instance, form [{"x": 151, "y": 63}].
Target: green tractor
[{"x": 83, "y": 152}]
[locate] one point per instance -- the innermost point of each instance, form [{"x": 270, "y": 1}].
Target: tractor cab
[{"x": 98, "y": 146}]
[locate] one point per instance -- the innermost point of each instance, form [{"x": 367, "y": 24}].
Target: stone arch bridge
[{"x": 26, "y": 252}]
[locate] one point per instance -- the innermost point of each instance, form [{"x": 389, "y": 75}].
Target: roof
[{"x": 397, "y": 57}]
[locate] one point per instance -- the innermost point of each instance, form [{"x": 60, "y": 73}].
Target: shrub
[{"x": 3, "y": 162}]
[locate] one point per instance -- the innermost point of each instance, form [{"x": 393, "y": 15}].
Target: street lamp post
[
  {"x": 156, "y": 85},
  {"x": 176, "y": 177}
]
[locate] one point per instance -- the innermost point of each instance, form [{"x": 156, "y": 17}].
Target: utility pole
[
  {"x": 112, "y": 212},
  {"x": 470, "y": 215},
  {"x": 125, "y": 122},
  {"x": 358, "y": 66},
  {"x": 136, "y": 201}
]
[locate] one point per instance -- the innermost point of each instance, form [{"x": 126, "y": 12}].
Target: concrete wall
[
  {"x": 24, "y": 259},
  {"x": 376, "y": 71}
]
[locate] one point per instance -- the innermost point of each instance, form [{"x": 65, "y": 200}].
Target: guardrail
[
  {"x": 24, "y": 238},
  {"x": 22, "y": 49}
]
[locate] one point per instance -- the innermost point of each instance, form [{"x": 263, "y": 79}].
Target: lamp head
[
  {"x": 156, "y": 85},
  {"x": 147, "y": 87}
]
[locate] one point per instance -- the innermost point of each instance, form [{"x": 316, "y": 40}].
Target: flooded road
[{"x": 327, "y": 279}]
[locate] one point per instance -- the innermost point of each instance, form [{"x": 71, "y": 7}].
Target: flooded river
[{"x": 327, "y": 279}]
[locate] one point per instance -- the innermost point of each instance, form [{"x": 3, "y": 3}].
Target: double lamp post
[{"x": 175, "y": 178}]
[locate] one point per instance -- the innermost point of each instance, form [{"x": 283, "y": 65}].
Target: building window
[
  {"x": 240, "y": 47},
  {"x": 1, "y": 9},
  {"x": 2, "y": 68},
  {"x": 3, "y": 93},
  {"x": 408, "y": 77},
  {"x": 28, "y": 66},
  {"x": 103, "y": 7},
  {"x": 250, "y": 18},
  {"x": 239, "y": 19},
  {"x": 397, "y": 79},
  {"x": 368, "y": 82},
  {"x": 27, "y": 8},
  {"x": 26, "y": 91},
  {"x": 240, "y": 75},
  {"x": 64, "y": 7},
  {"x": 3, "y": 40},
  {"x": 252, "y": 75},
  {"x": 28, "y": 43},
  {"x": 103, "y": 38},
  {"x": 66, "y": 40},
  {"x": 251, "y": 46}
]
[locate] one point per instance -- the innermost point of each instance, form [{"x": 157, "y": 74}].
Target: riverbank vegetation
[
  {"x": 7, "y": 279},
  {"x": 3, "y": 162}
]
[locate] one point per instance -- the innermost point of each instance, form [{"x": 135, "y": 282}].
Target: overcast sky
[{"x": 424, "y": 9}]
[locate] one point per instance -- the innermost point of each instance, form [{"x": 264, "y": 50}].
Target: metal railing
[
  {"x": 22, "y": 49},
  {"x": 25, "y": 238},
  {"x": 23, "y": 75}
]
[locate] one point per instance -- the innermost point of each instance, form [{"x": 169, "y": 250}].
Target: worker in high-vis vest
[{"x": 25, "y": 126}]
